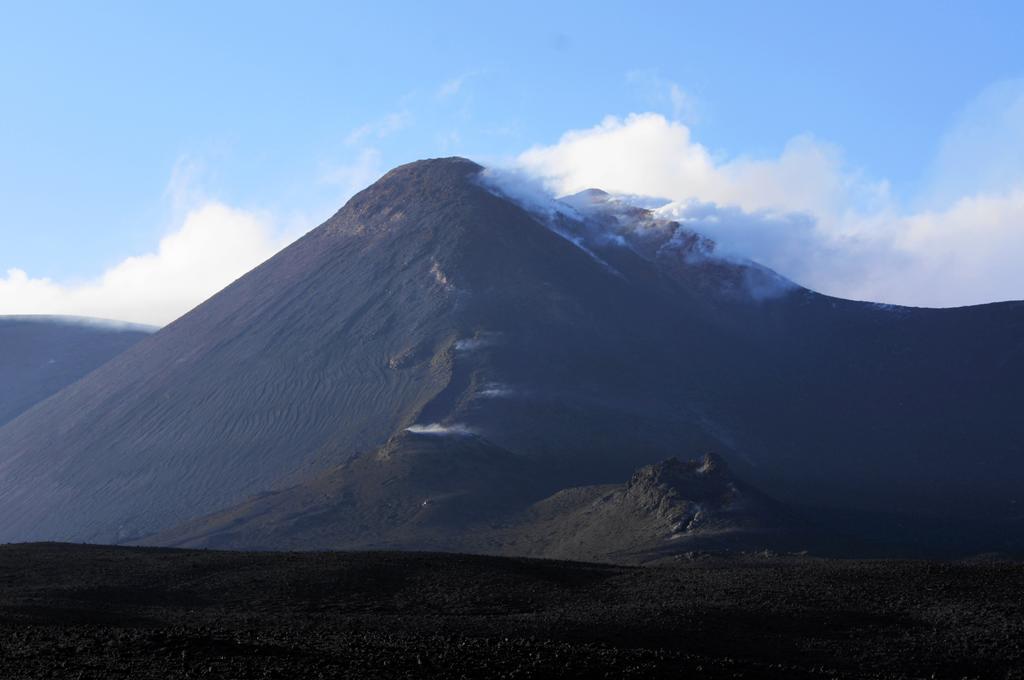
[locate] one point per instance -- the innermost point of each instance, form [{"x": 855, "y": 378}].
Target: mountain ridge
[{"x": 42, "y": 354}]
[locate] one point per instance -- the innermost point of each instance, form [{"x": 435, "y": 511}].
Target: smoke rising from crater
[
  {"x": 808, "y": 215},
  {"x": 594, "y": 220}
]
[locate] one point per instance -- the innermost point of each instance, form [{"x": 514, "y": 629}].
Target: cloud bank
[
  {"x": 214, "y": 245},
  {"x": 807, "y": 215}
]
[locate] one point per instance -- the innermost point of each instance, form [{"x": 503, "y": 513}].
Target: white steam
[
  {"x": 455, "y": 429},
  {"x": 527, "y": 191},
  {"x": 495, "y": 390},
  {"x": 529, "y": 194},
  {"x": 655, "y": 229},
  {"x": 807, "y": 215},
  {"x": 479, "y": 341}
]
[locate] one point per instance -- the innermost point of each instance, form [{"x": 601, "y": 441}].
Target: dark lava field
[{"x": 78, "y": 611}]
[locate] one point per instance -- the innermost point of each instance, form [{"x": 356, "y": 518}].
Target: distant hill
[
  {"x": 437, "y": 341},
  {"x": 40, "y": 355}
]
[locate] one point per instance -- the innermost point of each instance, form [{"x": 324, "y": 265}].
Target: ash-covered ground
[{"x": 74, "y": 611}]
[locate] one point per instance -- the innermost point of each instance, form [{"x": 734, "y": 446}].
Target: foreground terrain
[{"x": 75, "y": 611}]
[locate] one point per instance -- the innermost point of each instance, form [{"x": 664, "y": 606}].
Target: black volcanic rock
[
  {"x": 666, "y": 508},
  {"x": 40, "y": 355},
  {"x": 438, "y": 318},
  {"x": 71, "y": 611},
  {"x": 663, "y": 485}
]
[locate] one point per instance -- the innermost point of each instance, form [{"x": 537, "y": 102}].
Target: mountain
[
  {"x": 448, "y": 339},
  {"x": 40, "y": 355},
  {"x": 467, "y": 498}
]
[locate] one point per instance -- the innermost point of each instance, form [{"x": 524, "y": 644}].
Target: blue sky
[{"x": 120, "y": 120}]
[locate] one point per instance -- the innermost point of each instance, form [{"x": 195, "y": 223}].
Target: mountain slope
[
  {"x": 465, "y": 495},
  {"x": 564, "y": 347},
  {"x": 40, "y": 355},
  {"x": 422, "y": 492}
]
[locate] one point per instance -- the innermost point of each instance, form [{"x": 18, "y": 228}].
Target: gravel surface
[{"x": 75, "y": 611}]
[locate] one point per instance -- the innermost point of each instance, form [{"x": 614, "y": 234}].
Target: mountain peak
[
  {"x": 704, "y": 479},
  {"x": 449, "y": 162},
  {"x": 435, "y": 169},
  {"x": 430, "y": 182},
  {"x": 671, "y": 469}
]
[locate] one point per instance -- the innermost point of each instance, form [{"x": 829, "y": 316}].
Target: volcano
[{"x": 443, "y": 355}]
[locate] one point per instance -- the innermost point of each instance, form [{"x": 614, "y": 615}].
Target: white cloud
[
  {"x": 682, "y": 104},
  {"x": 970, "y": 252},
  {"x": 447, "y": 141},
  {"x": 806, "y": 214},
  {"x": 451, "y": 87},
  {"x": 983, "y": 151},
  {"x": 380, "y": 128},
  {"x": 211, "y": 245},
  {"x": 214, "y": 245},
  {"x": 648, "y": 154},
  {"x": 456, "y": 85},
  {"x": 185, "y": 188},
  {"x": 663, "y": 94}
]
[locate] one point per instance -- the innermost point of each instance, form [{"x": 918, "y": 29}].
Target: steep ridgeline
[
  {"x": 40, "y": 355},
  {"x": 434, "y": 323}
]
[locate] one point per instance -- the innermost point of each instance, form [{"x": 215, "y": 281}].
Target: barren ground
[{"x": 74, "y": 611}]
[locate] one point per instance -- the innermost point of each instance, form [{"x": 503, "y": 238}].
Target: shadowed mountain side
[
  {"x": 463, "y": 494},
  {"x": 40, "y": 355},
  {"x": 419, "y": 492},
  {"x": 831, "y": 402}
]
